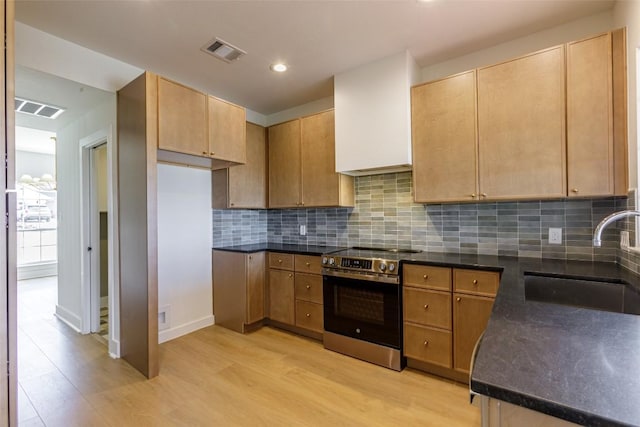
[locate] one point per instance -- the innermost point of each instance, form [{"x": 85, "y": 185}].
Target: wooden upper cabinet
[
  {"x": 182, "y": 119},
  {"x": 284, "y": 165},
  {"x": 443, "y": 119},
  {"x": 227, "y": 134},
  {"x": 590, "y": 126},
  {"x": 321, "y": 185},
  {"x": 521, "y": 127},
  {"x": 302, "y": 165},
  {"x": 244, "y": 186}
]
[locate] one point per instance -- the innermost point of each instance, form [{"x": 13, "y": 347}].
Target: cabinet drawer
[
  {"x": 308, "y": 264},
  {"x": 428, "y": 345},
  {"x": 281, "y": 261},
  {"x": 309, "y": 315},
  {"x": 426, "y": 276},
  {"x": 429, "y": 308},
  {"x": 476, "y": 281},
  {"x": 309, "y": 287}
]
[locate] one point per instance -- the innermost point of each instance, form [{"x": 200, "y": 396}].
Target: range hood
[{"x": 373, "y": 116}]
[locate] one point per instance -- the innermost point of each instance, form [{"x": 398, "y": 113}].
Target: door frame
[{"x": 89, "y": 228}]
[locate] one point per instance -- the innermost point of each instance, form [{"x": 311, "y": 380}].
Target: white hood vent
[
  {"x": 373, "y": 116},
  {"x": 223, "y": 50}
]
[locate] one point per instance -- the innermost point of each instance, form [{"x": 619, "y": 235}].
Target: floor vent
[{"x": 223, "y": 50}]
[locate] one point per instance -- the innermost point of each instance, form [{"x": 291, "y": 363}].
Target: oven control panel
[{"x": 361, "y": 264}]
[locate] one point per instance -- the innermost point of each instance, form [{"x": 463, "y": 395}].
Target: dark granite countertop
[
  {"x": 581, "y": 365},
  {"x": 284, "y": 248}
]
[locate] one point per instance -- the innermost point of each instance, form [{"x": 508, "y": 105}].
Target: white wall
[
  {"x": 573, "y": 30},
  {"x": 70, "y": 248},
  {"x": 184, "y": 249},
  {"x": 34, "y": 164},
  {"x": 299, "y": 111},
  {"x": 627, "y": 13}
]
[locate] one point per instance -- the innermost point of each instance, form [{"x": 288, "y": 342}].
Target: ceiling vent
[
  {"x": 36, "y": 108},
  {"x": 223, "y": 50}
]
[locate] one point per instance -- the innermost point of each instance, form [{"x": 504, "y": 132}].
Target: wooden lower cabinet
[
  {"x": 445, "y": 312},
  {"x": 282, "y": 296},
  {"x": 309, "y": 315},
  {"x": 238, "y": 289},
  {"x": 295, "y": 291},
  {"x": 470, "y": 316},
  {"x": 428, "y": 344}
]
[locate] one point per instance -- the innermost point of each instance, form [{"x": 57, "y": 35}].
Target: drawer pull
[
  {"x": 475, "y": 281},
  {"x": 290, "y": 275},
  {"x": 426, "y": 306},
  {"x": 425, "y": 277},
  {"x": 308, "y": 315},
  {"x": 458, "y": 299},
  {"x": 308, "y": 286},
  {"x": 279, "y": 261},
  {"x": 307, "y": 264},
  {"x": 426, "y": 343},
  {"x": 204, "y": 152},
  {"x": 212, "y": 153}
]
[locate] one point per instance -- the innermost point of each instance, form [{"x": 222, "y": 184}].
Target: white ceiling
[
  {"x": 318, "y": 39},
  {"x": 74, "y": 97}
]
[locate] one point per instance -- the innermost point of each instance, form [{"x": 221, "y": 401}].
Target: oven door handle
[{"x": 360, "y": 276}]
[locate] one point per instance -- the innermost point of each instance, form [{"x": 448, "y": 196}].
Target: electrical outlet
[
  {"x": 555, "y": 236},
  {"x": 303, "y": 230},
  {"x": 624, "y": 239}
]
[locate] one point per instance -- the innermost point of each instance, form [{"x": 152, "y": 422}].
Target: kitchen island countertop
[{"x": 581, "y": 365}]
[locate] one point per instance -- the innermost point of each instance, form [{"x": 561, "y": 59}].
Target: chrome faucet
[{"x": 597, "y": 235}]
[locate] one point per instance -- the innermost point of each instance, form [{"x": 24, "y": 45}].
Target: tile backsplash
[{"x": 385, "y": 216}]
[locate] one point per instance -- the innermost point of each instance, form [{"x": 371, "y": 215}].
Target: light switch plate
[{"x": 303, "y": 230}]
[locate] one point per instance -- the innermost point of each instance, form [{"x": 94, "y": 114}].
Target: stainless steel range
[{"x": 363, "y": 304}]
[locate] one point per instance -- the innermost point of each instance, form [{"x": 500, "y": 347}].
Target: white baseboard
[
  {"x": 26, "y": 272},
  {"x": 114, "y": 349},
  {"x": 187, "y": 328},
  {"x": 69, "y": 318}
]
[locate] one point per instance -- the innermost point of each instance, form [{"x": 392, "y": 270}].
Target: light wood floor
[{"x": 216, "y": 377}]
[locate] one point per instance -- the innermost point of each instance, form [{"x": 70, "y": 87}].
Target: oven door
[{"x": 363, "y": 309}]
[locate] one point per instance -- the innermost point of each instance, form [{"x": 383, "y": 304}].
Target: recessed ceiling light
[{"x": 279, "y": 67}]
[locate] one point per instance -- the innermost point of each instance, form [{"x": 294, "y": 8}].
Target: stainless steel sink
[{"x": 608, "y": 295}]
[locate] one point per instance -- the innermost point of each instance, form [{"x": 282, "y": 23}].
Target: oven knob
[
  {"x": 392, "y": 267},
  {"x": 332, "y": 261},
  {"x": 383, "y": 266},
  {"x": 324, "y": 260}
]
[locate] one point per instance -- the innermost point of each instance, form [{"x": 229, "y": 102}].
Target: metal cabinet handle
[
  {"x": 308, "y": 315},
  {"x": 308, "y": 286},
  {"x": 290, "y": 275},
  {"x": 475, "y": 281},
  {"x": 472, "y": 195},
  {"x": 279, "y": 261},
  {"x": 458, "y": 299},
  {"x": 425, "y": 277},
  {"x": 212, "y": 153},
  {"x": 426, "y": 306},
  {"x": 307, "y": 264},
  {"x": 574, "y": 190},
  {"x": 204, "y": 152},
  {"x": 426, "y": 343}
]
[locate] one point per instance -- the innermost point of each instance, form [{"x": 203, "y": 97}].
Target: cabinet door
[
  {"x": 590, "y": 164},
  {"x": 281, "y": 296},
  {"x": 521, "y": 127},
  {"x": 255, "y": 287},
  {"x": 227, "y": 138},
  {"x": 443, "y": 121},
  {"x": 244, "y": 186},
  {"x": 320, "y": 182},
  {"x": 284, "y": 165},
  {"x": 182, "y": 119},
  {"x": 470, "y": 317},
  {"x": 229, "y": 289}
]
